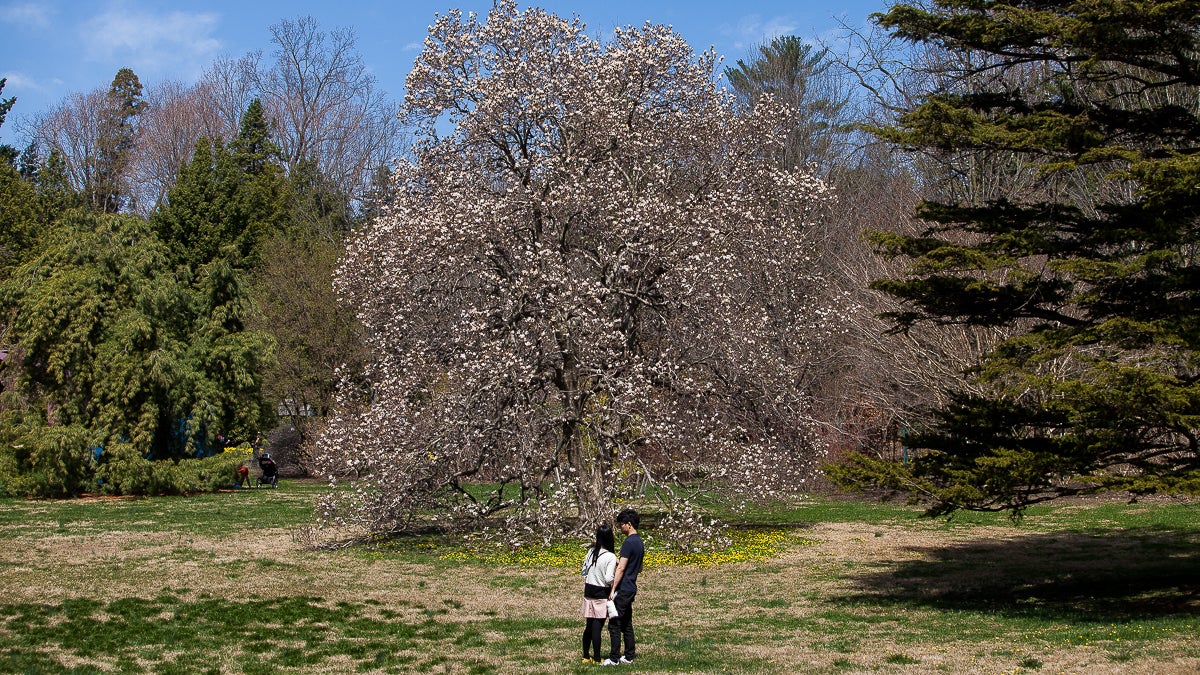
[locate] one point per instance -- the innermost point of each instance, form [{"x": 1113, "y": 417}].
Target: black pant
[
  {"x": 622, "y": 626},
  {"x": 591, "y": 637}
]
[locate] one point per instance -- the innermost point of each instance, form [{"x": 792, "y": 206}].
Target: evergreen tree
[
  {"x": 18, "y": 218},
  {"x": 1100, "y": 389},
  {"x": 117, "y": 136},
  {"x": 227, "y": 200},
  {"x": 6, "y": 104},
  {"x": 111, "y": 343},
  {"x": 263, "y": 188},
  {"x": 797, "y": 74},
  {"x": 200, "y": 213},
  {"x": 253, "y": 147},
  {"x": 54, "y": 190},
  {"x": 8, "y": 154},
  {"x": 17, "y": 202}
]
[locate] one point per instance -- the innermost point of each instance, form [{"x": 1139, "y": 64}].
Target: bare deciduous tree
[
  {"x": 315, "y": 336},
  {"x": 72, "y": 129},
  {"x": 177, "y": 115},
  {"x": 229, "y": 86},
  {"x": 325, "y": 105}
]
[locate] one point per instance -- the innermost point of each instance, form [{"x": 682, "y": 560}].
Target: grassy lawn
[{"x": 216, "y": 584}]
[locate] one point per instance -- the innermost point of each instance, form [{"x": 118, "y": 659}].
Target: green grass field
[{"x": 216, "y": 584}]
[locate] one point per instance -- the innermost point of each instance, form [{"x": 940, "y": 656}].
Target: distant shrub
[
  {"x": 41, "y": 461},
  {"x": 125, "y": 471}
]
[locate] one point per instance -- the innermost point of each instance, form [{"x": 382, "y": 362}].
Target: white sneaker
[
  {"x": 610, "y": 662},
  {"x": 625, "y": 662}
]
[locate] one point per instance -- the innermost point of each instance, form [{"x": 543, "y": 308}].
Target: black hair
[
  {"x": 629, "y": 516},
  {"x": 604, "y": 539}
]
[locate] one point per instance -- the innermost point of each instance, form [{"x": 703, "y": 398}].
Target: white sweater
[{"x": 601, "y": 573}]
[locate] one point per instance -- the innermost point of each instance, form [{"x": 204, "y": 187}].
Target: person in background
[
  {"x": 599, "y": 566},
  {"x": 624, "y": 590}
]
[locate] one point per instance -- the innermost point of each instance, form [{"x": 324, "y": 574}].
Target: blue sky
[{"x": 50, "y": 48}]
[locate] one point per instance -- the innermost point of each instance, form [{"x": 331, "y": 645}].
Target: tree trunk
[{"x": 590, "y": 495}]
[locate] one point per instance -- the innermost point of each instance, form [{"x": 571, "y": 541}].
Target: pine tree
[
  {"x": 228, "y": 200},
  {"x": 118, "y": 134},
  {"x": 1100, "y": 389},
  {"x": 797, "y": 74},
  {"x": 8, "y": 154}
]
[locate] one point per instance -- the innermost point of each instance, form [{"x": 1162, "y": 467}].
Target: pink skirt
[{"x": 595, "y": 609}]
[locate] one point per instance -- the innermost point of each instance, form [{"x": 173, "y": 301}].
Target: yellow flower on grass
[{"x": 755, "y": 546}]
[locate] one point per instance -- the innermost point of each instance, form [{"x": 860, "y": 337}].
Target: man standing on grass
[{"x": 625, "y": 590}]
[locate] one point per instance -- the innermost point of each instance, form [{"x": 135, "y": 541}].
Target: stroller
[{"x": 270, "y": 471}]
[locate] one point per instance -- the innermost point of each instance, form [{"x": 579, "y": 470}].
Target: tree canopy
[
  {"x": 152, "y": 335},
  {"x": 1098, "y": 388},
  {"x": 594, "y": 280},
  {"x": 110, "y": 343},
  {"x": 798, "y": 74},
  {"x": 228, "y": 200}
]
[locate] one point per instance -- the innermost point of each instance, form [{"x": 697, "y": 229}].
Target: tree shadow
[{"x": 1102, "y": 576}]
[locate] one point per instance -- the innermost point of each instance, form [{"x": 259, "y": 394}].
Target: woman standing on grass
[{"x": 599, "y": 565}]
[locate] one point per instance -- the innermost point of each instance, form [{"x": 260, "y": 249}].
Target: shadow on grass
[{"x": 1107, "y": 577}]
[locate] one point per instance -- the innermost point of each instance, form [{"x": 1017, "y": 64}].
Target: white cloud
[
  {"x": 15, "y": 80},
  {"x": 753, "y": 30},
  {"x": 153, "y": 43},
  {"x": 26, "y": 14}
]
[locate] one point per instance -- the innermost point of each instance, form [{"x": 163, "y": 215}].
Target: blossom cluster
[{"x": 600, "y": 282}]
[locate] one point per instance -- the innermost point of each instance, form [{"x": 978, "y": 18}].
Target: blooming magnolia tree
[{"x": 598, "y": 280}]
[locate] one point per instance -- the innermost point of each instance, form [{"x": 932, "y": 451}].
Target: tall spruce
[
  {"x": 228, "y": 200},
  {"x": 1100, "y": 387},
  {"x": 109, "y": 192}
]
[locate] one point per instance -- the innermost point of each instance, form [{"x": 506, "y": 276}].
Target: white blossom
[{"x": 600, "y": 278}]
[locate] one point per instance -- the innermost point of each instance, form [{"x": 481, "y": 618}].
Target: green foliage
[
  {"x": 41, "y": 461},
  {"x": 5, "y": 104},
  {"x": 136, "y": 341},
  {"x": 227, "y": 361},
  {"x": 1099, "y": 387},
  {"x": 108, "y": 339},
  {"x": 19, "y": 224},
  {"x": 218, "y": 209},
  {"x": 115, "y": 143},
  {"x": 197, "y": 220},
  {"x": 228, "y": 200},
  {"x": 21, "y": 216},
  {"x": 125, "y": 471},
  {"x": 253, "y": 150},
  {"x": 55, "y": 194},
  {"x": 8, "y": 154}
]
